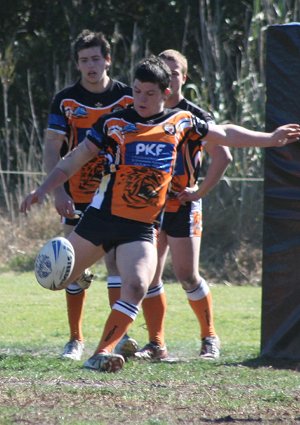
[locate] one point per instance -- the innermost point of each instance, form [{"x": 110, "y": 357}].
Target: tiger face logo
[
  {"x": 92, "y": 173},
  {"x": 142, "y": 188}
]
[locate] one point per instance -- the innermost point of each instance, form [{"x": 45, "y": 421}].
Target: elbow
[{"x": 228, "y": 158}]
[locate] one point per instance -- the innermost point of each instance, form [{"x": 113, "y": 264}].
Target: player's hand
[
  {"x": 34, "y": 197},
  {"x": 64, "y": 204},
  {"x": 286, "y": 134},
  {"x": 188, "y": 194}
]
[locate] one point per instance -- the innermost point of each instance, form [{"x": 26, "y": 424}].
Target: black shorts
[
  {"x": 110, "y": 231},
  {"x": 75, "y": 221},
  {"x": 184, "y": 223}
]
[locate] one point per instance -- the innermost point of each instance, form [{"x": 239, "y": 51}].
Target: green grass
[{"x": 36, "y": 387}]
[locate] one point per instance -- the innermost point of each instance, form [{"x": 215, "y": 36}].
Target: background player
[
  {"x": 182, "y": 228},
  {"x": 73, "y": 111}
]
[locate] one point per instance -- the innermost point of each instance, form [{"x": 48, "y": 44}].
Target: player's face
[
  {"x": 148, "y": 98},
  {"x": 92, "y": 65},
  {"x": 178, "y": 78}
]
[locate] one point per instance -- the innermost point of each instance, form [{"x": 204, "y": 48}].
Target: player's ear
[
  {"x": 167, "y": 92},
  {"x": 108, "y": 61}
]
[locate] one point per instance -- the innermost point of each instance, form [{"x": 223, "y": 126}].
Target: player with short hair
[
  {"x": 181, "y": 229},
  {"x": 73, "y": 111},
  {"x": 144, "y": 141}
]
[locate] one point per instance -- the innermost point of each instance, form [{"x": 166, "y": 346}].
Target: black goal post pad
[{"x": 280, "y": 336}]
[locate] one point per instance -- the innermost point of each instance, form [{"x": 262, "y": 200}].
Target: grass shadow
[{"x": 266, "y": 361}]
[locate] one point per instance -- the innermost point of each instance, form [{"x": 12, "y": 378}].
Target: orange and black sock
[
  {"x": 117, "y": 324},
  {"x": 154, "y": 309},
  {"x": 75, "y": 307},
  {"x": 114, "y": 289},
  {"x": 200, "y": 299}
]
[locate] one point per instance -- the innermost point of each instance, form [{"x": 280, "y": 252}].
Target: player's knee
[
  {"x": 74, "y": 289},
  {"x": 137, "y": 286},
  {"x": 188, "y": 281}
]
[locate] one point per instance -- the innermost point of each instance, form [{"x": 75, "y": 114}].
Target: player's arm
[
  {"x": 238, "y": 137},
  {"x": 52, "y": 147},
  {"x": 220, "y": 157},
  {"x": 65, "y": 168},
  {"x": 51, "y": 156}
]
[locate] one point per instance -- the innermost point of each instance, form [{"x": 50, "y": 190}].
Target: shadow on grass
[
  {"x": 231, "y": 419},
  {"x": 265, "y": 361}
]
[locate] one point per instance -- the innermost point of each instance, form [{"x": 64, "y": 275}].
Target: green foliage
[
  {"x": 21, "y": 263},
  {"x": 7, "y": 66},
  {"x": 224, "y": 43}
]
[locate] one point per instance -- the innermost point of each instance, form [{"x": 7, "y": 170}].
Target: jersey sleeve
[
  {"x": 57, "y": 121},
  {"x": 200, "y": 126},
  {"x": 96, "y": 134}
]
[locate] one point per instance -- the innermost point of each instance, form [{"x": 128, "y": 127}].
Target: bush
[
  {"x": 21, "y": 239},
  {"x": 22, "y": 263},
  {"x": 232, "y": 236},
  {"x": 231, "y": 243}
]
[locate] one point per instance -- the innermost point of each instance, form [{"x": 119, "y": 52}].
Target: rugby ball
[{"x": 54, "y": 263}]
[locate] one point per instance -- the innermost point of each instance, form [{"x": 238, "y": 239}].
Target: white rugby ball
[{"x": 54, "y": 263}]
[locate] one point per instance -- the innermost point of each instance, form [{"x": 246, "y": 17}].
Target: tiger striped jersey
[
  {"x": 73, "y": 111},
  {"x": 145, "y": 152}
]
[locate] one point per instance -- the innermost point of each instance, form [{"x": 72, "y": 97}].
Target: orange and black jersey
[
  {"x": 189, "y": 158},
  {"x": 73, "y": 111},
  {"x": 145, "y": 152}
]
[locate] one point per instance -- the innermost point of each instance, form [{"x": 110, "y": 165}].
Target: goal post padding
[{"x": 280, "y": 335}]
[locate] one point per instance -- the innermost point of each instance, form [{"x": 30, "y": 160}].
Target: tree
[{"x": 223, "y": 42}]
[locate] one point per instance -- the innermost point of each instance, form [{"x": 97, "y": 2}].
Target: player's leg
[
  {"x": 155, "y": 301},
  {"x": 127, "y": 346},
  {"x": 113, "y": 277},
  {"x": 185, "y": 252},
  {"x": 86, "y": 254},
  {"x": 136, "y": 262},
  {"x": 75, "y": 299}
]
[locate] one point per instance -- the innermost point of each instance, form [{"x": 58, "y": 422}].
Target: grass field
[{"x": 36, "y": 387}]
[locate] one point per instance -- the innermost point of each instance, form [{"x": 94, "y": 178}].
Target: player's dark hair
[
  {"x": 87, "y": 39},
  {"x": 153, "y": 70}
]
